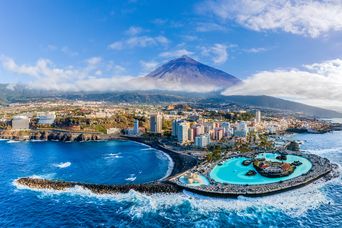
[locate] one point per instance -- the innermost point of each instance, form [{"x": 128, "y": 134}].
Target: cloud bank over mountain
[
  {"x": 317, "y": 84},
  {"x": 44, "y": 75}
]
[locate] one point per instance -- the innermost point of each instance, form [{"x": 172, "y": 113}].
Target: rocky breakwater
[{"x": 149, "y": 188}]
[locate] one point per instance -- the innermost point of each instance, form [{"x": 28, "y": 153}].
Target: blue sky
[{"x": 106, "y": 39}]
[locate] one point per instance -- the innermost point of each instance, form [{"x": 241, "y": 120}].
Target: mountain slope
[
  {"x": 187, "y": 71},
  {"x": 276, "y": 103}
]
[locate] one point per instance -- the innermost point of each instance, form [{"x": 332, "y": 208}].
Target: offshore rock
[{"x": 292, "y": 146}]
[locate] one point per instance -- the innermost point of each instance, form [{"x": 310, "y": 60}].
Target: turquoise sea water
[
  {"x": 316, "y": 205},
  {"x": 233, "y": 171}
]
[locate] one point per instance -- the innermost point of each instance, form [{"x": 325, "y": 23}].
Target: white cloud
[
  {"x": 118, "y": 69},
  {"x": 175, "y": 54},
  {"x": 217, "y": 52},
  {"x": 209, "y": 27},
  {"x": 134, "y": 30},
  {"x": 139, "y": 41},
  {"x": 41, "y": 67},
  {"x": 66, "y": 50},
  {"x": 148, "y": 66},
  {"x": 255, "y": 50},
  {"x": 94, "y": 61},
  {"x": 117, "y": 45},
  {"x": 310, "y": 18},
  {"x": 144, "y": 41},
  {"x": 189, "y": 37},
  {"x": 317, "y": 84}
]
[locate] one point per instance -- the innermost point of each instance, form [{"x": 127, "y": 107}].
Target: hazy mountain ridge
[
  {"x": 275, "y": 103},
  {"x": 159, "y": 97}
]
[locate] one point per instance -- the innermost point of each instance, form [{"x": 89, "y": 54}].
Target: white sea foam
[
  {"x": 169, "y": 167},
  {"x": 44, "y": 176},
  {"x": 324, "y": 151},
  {"x": 150, "y": 148},
  {"x": 113, "y": 155},
  {"x": 37, "y": 140},
  {"x": 13, "y": 141},
  {"x": 294, "y": 203},
  {"x": 62, "y": 165},
  {"x": 131, "y": 177}
]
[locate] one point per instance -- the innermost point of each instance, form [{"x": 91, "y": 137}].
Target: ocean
[{"x": 117, "y": 162}]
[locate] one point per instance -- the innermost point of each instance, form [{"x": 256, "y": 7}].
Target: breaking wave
[
  {"x": 13, "y": 141},
  {"x": 62, "y": 165},
  {"x": 294, "y": 203},
  {"x": 131, "y": 177}
]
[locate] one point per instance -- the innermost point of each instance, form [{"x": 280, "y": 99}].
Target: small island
[{"x": 273, "y": 169}]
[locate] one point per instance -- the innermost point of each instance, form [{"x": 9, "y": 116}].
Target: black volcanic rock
[{"x": 187, "y": 71}]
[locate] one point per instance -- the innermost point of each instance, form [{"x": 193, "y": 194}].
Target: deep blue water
[{"x": 316, "y": 205}]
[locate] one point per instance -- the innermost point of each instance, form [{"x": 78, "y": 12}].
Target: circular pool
[{"x": 233, "y": 171}]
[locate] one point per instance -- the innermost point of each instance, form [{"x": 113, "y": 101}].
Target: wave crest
[{"x": 62, "y": 165}]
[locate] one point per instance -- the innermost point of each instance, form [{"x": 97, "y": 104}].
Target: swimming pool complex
[{"x": 233, "y": 171}]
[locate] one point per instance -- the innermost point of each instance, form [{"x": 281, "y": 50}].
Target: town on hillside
[{"x": 195, "y": 130}]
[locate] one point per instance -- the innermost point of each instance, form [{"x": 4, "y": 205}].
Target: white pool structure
[
  {"x": 232, "y": 171},
  {"x": 203, "y": 181}
]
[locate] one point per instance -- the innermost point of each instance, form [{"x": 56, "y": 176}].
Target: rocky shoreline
[
  {"x": 50, "y": 135},
  {"x": 321, "y": 168}
]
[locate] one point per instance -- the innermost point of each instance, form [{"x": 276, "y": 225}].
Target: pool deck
[{"x": 320, "y": 167}]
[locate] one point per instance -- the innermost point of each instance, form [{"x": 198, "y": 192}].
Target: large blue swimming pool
[{"x": 233, "y": 172}]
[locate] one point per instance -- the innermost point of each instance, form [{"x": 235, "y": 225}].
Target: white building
[
  {"x": 272, "y": 129},
  {"x": 175, "y": 124},
  {"x": 258, "y": 116},
  {"x": 156, "y": 122},
  {"x": 46, "y": 117},
  {"x": 182, "y": 133},
  {"x": 202, "y": 141},
  {"x": 241, "y": 130},
  {"x": 136, "y": 127},
  {"x": 20, "y": 123},
  {"x": 198, "y": 130},
  {"x": 228, "y": 130},
  {"x": 218, "y": 133},
  {"x": 191, "y": 135},
  {"x": 113, "y": 131}
]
